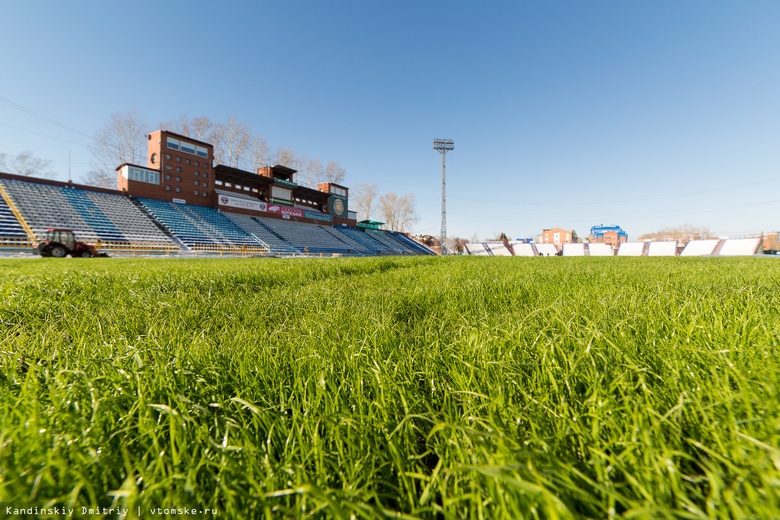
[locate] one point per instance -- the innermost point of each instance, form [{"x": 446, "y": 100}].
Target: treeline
[
  {"x": 397, "y": 212},
  {"x": 122, "y": 139}
]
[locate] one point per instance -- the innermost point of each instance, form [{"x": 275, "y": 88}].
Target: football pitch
[{"x": 461, "y": 387}]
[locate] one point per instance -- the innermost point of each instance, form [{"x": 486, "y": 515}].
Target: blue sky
[{"x": 564, "y": 114}]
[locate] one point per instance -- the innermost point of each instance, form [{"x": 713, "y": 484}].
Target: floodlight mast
[{"x": 443, "y": 146}]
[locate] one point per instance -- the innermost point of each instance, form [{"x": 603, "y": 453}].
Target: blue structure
[{"x": 598, "y": 232}]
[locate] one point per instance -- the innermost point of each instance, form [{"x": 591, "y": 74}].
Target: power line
[
  {"x": 43, "y": 117},
  {"x": 44, "y": 135}
]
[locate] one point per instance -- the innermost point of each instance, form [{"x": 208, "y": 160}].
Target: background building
[
  {"x": 557, "y": 236},
  {"x": 610, "y": 235}
]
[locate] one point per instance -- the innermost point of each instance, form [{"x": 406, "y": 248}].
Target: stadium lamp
[{"x": 443, "y": 146}]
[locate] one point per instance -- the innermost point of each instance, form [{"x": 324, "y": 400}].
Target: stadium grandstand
[
  {"x": 710, "y": 247},
  {"x": 179, "y": 203}
]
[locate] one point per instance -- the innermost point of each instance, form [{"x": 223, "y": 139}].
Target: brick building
[{"x": 557, "y": 236}]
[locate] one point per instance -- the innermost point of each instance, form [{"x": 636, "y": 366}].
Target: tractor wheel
[
  {"x": 58, "y": 252},
  {"x": 86, "y": 254}
]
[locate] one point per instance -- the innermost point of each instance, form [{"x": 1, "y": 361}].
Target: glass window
[
  {"x": 178, "y": 189},
  {"x": 167, "y": 177},
  {"x": 187, "y": 161},
  {"x": 197, "y": 163},
  {"x": 167, "y": 187},
  {"x": 196, "y": 183},
  {"x": 202, "y": 152},
  {"x": 205, "y": 194},
  {"x": 196, "y": 192},
  {"x": 205, "y": 175},
  {"x": 167, "y": 156},
  {"x": 167, "y": 166},
  {"x": 197, "y": 174},
  {"x": 205, "y": 185},
  {"x": 178, "y": 168},
  {"x": 187, "y": 147},
  {"x": 173, "y": 144},
  {"x": 178, "y": 179},
  {"x": 178, "y": 159}
]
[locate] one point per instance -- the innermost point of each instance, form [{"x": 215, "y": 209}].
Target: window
[
  {"x": 187, "y": 161},
  {"x": 205, "y": 175},
  {"x": 206, "y": 184},
  {"x": 178, "y": 189},
  {"x": 196, "y": 183},
  {"x": 202, "y": 152},
  {"x": 178, "y": 168},
  {"x": 205, "y": 194},
  {"x": 167, "y": 166},
  {"x": 218, "y": 183},
  {"x": 173, "y": 144},
  {"x": 137, "y": 174},
  {"x": 196, "y": 192},
  {"x": 167, "y": 187},
  {"x": 197, "y": 163},
  {"x": 187, "y": 147},
  {"x": 178, "y": 159},
  {"x": 338, "y": 191},
  {"x": 167, "y": 156},
  {"x": 167, "y": 177},
  {"x": 197, "y": 174},
  {"x": 178, "y": 179}
]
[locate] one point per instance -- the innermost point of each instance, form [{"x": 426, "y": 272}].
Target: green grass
[{"x": 415, "y": 387}]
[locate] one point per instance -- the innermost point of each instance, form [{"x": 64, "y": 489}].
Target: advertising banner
[
  {"x": 238, "y": 202},
  {"x": 285, "y": 211},
  {"x": 316, "y": 215}
]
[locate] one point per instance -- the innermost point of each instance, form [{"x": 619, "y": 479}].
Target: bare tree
[
  {"x": 122, "y": 139},
  {"x": 683, "y": 234},
  {"x": 388, "y": 209},
  {"x": 232, "y": 142},
  {"x": 361, "y": 198},
  {"x": 199, "y": 128},
  {"x": 100, "y": 178},
  {"x": 259, "y": 153},
  {"x": 311, "y": 173},
  {"x": 286, "y": 157},
  {"x": 406, "y": 212},
  {"x": 25, "y": 163},
  {"x": 334, "y": 173},
  {"x": 458, "y": 244}
]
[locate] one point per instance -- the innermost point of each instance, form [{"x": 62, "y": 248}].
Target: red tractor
[{"x": 61, "y": 242}]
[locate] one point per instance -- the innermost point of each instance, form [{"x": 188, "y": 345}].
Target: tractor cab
[{"x": 62, "y": 236}]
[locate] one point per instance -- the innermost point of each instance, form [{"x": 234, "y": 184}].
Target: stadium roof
[
  {"x": 234, "y": 174},
  {"x": 311, "y": 194}
]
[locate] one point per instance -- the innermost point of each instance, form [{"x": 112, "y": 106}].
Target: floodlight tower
[{"x": 443, "y": 146}]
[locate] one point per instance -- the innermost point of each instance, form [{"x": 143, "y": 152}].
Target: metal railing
[{"x": 9, "y": 201}]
